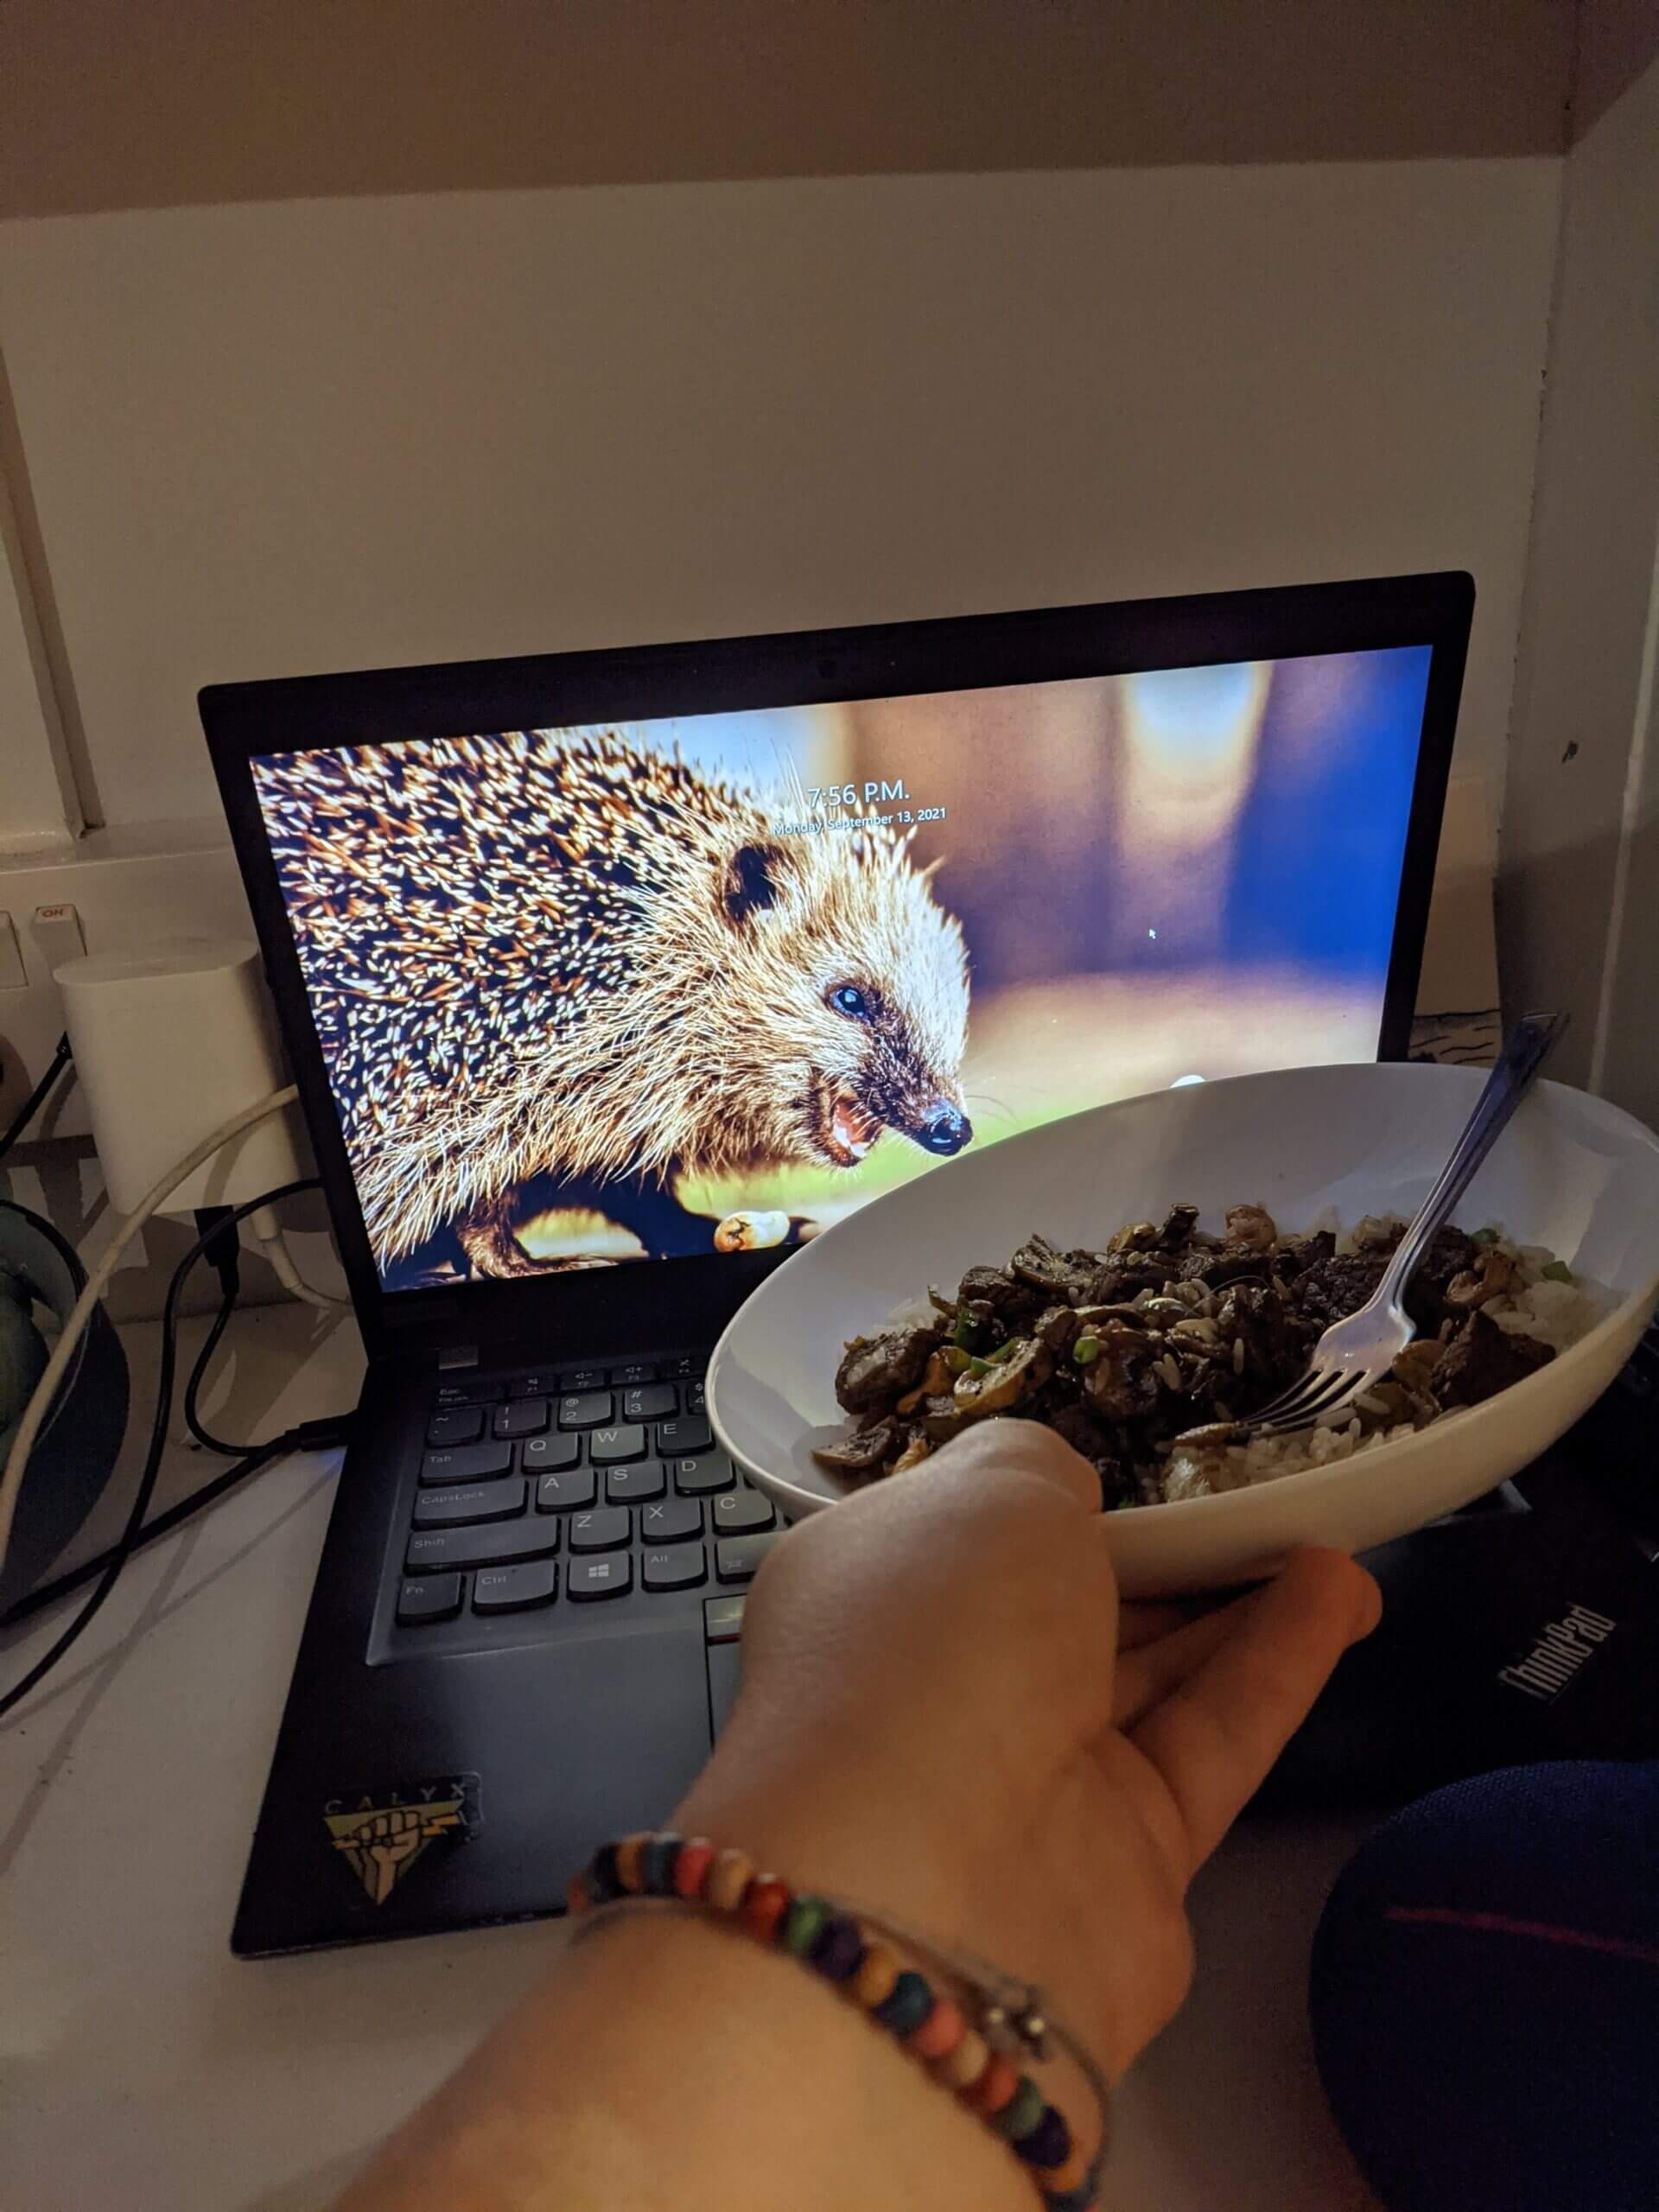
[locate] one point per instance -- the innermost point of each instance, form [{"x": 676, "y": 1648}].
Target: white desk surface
[{"x": 143, "y": 2069}]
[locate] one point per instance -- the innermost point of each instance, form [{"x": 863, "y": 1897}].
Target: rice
[{"x": 1557, "y": 1313}]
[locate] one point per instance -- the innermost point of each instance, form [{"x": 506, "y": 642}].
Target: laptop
[{"x": 608, "y": 979}]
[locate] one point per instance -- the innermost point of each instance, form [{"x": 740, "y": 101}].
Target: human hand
[{"x": 947, "y": 1716}]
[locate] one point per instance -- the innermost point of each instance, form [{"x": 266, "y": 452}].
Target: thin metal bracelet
[{"x": 1009, "y": 2014}]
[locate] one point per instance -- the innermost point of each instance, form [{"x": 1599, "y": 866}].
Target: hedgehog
[{"x": 564, "y": 969}]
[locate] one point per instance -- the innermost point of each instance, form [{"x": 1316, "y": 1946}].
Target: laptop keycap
[
  {"x": 683, "y": 1568},
  {"x": 470, "y": 1390},
  {"x": 471, "y": 1502},
  {"x": 609, "y": 1448},
  {"x": 627, "y": 1486},
  {"x": 600, "y": 1578},
  {"x": 650, "y": 1402},
  {"x": 602, "y": 1530},
  {"x": 586, "y": 1409},
  {"x": 466, "y": 1463},
  {"x": 549, "y": 1455},
  {"x": 637, "y": 1371},
  {"x": 510, "y": 1589},
  {"x": 458, "y": 1425},
  {"x": 741, "y": 1512},
  {"x": 432, "y": 1597},
  {"x": 680, "y": 1370},
  {"x": 554, "y": 1492},
  {"x": 540, "y": 1382},
  {"x": 433, "y": 1549},
  {"x": 737, "y": 1558},
  {"x": 583, "y": 1378},
  {"x": 695, "y": 1397},
  {"x": 676, "y": 1520},
  {"x": 520, "y": 1417},
  {"x": 714, "y": 1471},
  {"x": 683, "y": 1438}
]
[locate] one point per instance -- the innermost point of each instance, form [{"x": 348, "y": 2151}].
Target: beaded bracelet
[{"x": 970, "y": 2047}]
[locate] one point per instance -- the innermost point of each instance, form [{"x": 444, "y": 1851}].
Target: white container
[
  {"x": 169, "y": 1042},
  {"x": 1570, "y": 1171}
]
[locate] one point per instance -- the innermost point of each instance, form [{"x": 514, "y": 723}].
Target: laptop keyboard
[{"x": 549, "y": 1500}]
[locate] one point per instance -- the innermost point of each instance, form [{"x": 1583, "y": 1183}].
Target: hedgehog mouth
[{"x": 846, "y": 1132}]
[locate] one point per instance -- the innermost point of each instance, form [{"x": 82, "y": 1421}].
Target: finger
[
  {"x": 1003, "y": 1453},
  {"x": 1143, "y": 1621},
  {"x": 1214, "y": 1738},
  {"x": 1149, "y": 1672}
]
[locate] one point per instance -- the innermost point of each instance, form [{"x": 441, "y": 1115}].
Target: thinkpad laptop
[{"x": 607, "y": 979}]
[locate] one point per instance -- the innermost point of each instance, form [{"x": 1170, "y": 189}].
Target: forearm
[{"x": 672, "y": 2063}]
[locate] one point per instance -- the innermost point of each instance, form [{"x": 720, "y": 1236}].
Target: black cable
[
  {"x": 64, "y": 1585},
  {"x": 127, "y": 1543},
  {"x": 198, "y": 1374},
  {"x": 37, "y": 1097},
  {"x": 310, "y": 1436}
]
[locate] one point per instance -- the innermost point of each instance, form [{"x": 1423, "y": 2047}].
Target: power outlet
[{"x": 128, "y": 887}]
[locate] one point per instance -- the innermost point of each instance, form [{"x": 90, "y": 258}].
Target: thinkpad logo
[
  {"x": 1561, "y": 1648},
  {"x": 382, "y": 1833}
]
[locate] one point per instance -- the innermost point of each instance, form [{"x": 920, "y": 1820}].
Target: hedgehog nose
[{"x": 945, "y": 1130}]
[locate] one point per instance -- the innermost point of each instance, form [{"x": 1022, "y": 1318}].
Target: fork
[{"x": 1360, "y": 1349}]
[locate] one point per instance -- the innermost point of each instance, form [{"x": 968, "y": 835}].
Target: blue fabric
[{"x": 1506, "y": 2054}]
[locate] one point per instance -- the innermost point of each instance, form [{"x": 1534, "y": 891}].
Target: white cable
[
  {"x": 274, "y": 1244},
  {"x": 29, "y": 1428}
]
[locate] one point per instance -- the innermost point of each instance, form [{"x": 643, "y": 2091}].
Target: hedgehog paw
[{"x": 491, "y": 1250}]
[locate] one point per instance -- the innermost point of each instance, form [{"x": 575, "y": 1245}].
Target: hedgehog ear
[{"x": 752, "y": 882}]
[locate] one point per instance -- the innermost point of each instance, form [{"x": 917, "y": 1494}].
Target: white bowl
[{"x": 1570, "y": 1171}]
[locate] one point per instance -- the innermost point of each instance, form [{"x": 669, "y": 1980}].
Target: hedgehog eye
[{"x": 847, "y": 998}]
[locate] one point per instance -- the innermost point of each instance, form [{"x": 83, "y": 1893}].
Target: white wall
[
  {"x": 1578, "y": 888},
  {"x": 280, "y": 437}
]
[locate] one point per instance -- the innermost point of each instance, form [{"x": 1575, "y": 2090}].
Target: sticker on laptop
[{"x": 383, "y": 1833}]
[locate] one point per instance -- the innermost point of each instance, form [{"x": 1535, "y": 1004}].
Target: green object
[
  {"x": 1003, "y": 1352},
  {"x": 1022, "y": 2113},
  {"x": 963, "y": 1334},
  {"x": 1086, "y": 1350},
  {"x": 979, "y": 1367},
  {"x": 23, "y": 1349},
  {"x": 1484, "y": 1237},
  {"x": 1558, "y": 1271},
  {"x": 803, "y": 1925}
]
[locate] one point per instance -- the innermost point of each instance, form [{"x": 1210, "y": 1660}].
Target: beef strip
[
  {"x": 1483, "y": 1359},
  {"x": 876, "y": 1370}
]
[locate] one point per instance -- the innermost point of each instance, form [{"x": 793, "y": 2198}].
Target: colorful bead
[
  {"x": 764, "y": 1903},
  {"x": 1066, "y": 2173},
  {"x": 728, "y": 1877},
  {"x": 1022, "y": 2113},
  {"x": 657, "y": 1859},
  {"x": 803, "y": 1925},
  {"x": 691, "y": 1867},
  {"x": 941, "y": 2032},
  {"x": 909, "y": 2004},
  {"x": 627, "y": 1862},
  {"x": 602, "y": 1877},
  {"x": 874, "y": 1981},
  {"x": 961, "y": 2068},
  {"x": 1047, "y": 2143},
  {"x": 1071, "y": 2199},
  {"x": 995, "y": 2086},
  {"x": 839, "y": 1951}
]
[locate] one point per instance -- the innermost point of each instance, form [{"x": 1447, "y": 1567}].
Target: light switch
[
  {"x": 57, "y": 932},
  {"x": 12, "y": 977}
]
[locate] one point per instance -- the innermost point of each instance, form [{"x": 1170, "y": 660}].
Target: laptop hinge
[{"x": 458, "y": 1355}]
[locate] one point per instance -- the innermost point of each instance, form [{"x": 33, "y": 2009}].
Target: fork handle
[{"x": 1525, "y": 1049}]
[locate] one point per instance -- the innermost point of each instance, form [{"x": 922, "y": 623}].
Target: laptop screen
[{"x": 646, "y": 990}]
